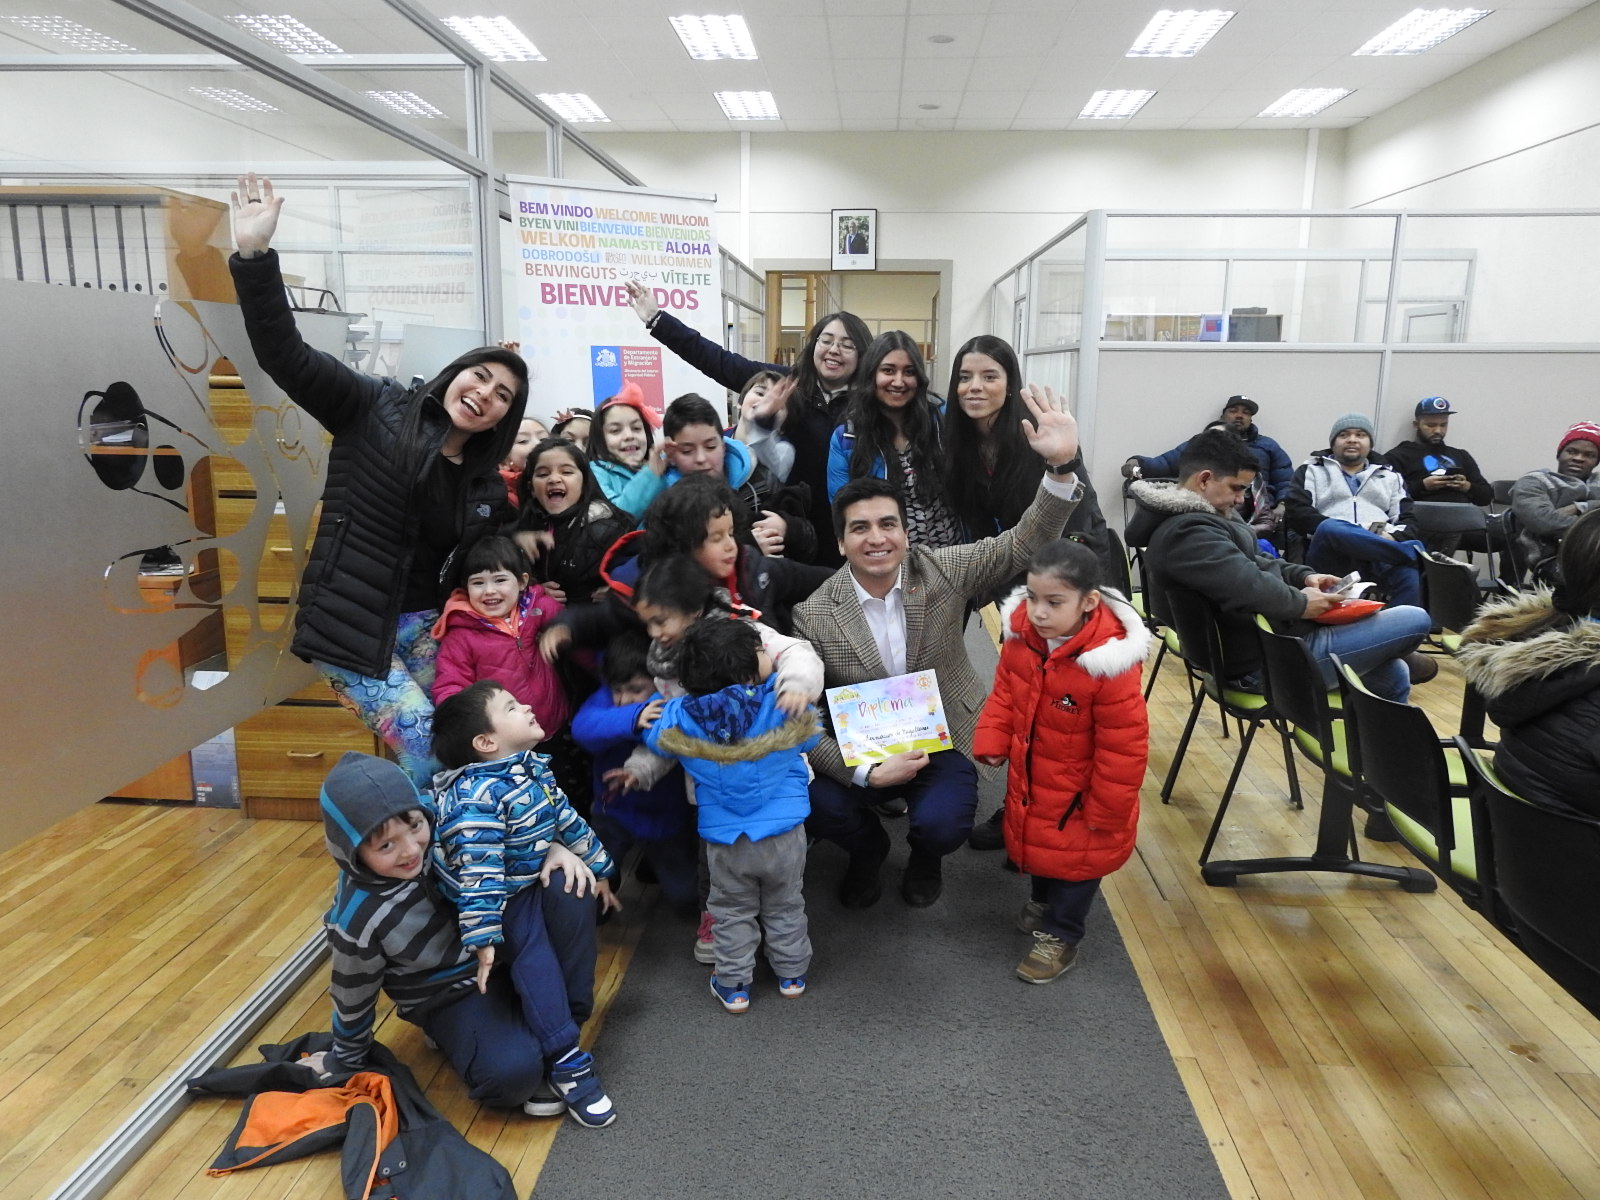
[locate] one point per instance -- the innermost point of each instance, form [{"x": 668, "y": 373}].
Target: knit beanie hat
[
  {"x": 1353, "y": 421},
  {"x": 1583, "y": 431},
  {"x": 358, "y": 796}
]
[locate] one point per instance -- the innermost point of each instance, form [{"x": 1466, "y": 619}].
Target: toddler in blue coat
[{"x": 747, "y": 758}]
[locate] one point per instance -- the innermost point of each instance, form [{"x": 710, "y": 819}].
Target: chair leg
[
  {"x": 1155, "y": 669},
  {"x": 1227, "y": 792},
  {"x": 1222, "y": 717},
  {"x": 1183, "y": 746},
  {"x": 1288, "y": 767}
]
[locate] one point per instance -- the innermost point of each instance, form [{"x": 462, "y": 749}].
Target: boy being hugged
[
  {"x": 389, "y": 930},
  {"x": 1068, "y": 713},
  {"x": 747, "y": 758},
  {"x": 499, "y": 815}
]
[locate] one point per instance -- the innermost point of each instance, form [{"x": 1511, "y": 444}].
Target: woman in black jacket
[
  {"x": 1535, "y": 658},
  {"x": 412, "y": 478},
  {"x": 801, "y": 409}
]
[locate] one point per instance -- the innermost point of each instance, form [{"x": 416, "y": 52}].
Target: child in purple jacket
[{"x": 490, "y": 629}]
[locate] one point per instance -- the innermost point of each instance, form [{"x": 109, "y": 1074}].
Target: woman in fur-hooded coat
[{"x": 1072, "y": 722}]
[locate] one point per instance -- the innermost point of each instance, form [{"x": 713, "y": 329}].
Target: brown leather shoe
[{"x": 1421, "y": 666}]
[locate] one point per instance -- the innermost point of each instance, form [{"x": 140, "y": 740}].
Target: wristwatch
[
  {"x": 1066, "y": 468},
  {"x": 868, "y": 776}
]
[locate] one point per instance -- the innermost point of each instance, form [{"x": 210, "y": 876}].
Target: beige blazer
[{"x": 936, "y": 587}]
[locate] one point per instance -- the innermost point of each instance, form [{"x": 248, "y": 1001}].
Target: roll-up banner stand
[{"x": 576, "y": 249}]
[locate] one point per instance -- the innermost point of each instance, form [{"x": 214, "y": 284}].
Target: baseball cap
[
  {"x": 1434, "y": 406},
  {"x": 1242, "y": 402}
]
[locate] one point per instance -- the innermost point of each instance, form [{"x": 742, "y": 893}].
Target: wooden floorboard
[{"x": 1339, "y": 1038}]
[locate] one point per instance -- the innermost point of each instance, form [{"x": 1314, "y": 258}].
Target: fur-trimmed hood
[
  {"x": 1111, "y": 657},
  {"x": 736, "y": 724},
  {"x": 1167, "y": 497},
  {"x": 1498, "y": 659}
]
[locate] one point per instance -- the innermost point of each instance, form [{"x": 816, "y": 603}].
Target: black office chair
[
  {"x": 1195, "y": 619},
  {"x": 1448, "y": 517},
  {"x": 1452, "y": 597},
  {"x": 1545, "y": 863},
  {"x": 1296, "y": 692},
  {"x": 1166, "y": 639},
  {"x": 1420, "y": 779}
]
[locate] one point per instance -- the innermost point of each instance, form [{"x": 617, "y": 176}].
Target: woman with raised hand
[
  {"x": 800, "y": 409},
  {"x": 891, "y": 430},
  {"x": 990, "y": 476},
  {"x": 412, "y": 479}
]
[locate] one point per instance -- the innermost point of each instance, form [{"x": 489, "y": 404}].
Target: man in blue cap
[{"x": 1434, "y": 471}]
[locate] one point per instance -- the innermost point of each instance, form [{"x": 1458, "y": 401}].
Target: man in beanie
[
  {"x": 1353, "y": 509},
  {"x": 1239, "y": 415},
  {"x": 1437, "y": 472},
  {"x": 1546, "y": 503}
]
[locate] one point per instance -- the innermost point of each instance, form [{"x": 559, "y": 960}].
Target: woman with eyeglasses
[{"x": 800, "y": 409}]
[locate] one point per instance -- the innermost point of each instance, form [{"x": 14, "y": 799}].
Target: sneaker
[
  {"x": 1049, "y": 959},
  {"x": 545, "y": 1102},
  {"x": 792, "y": 987},
  {"x": 705, "y": 950},
  {"x": 735, "y": 998},
  {"x": 894, "y": 806},
  {"x": 1030, "y": 918},
  {"x": 586, "y": 1100},
  {"x": 988, "y": 835}
]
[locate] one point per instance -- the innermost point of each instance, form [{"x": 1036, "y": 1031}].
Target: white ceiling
[{"x": 837, "y": 65}]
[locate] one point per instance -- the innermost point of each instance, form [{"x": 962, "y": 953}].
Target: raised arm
[
  {"x": 326, "y": 388},
  {"x": 731, "y": 370}
]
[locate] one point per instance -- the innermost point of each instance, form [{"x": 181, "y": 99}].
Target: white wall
[
  {"x": 1519, "y": 129},
  {"x": 982, "y": 200}
]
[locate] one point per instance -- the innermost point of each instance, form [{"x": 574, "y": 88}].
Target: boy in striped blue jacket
[{"x": 498, "y": 812}]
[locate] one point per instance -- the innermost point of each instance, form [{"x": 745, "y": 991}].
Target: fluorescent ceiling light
[
  {"x": 1110, "y": 105},
  {"x": 748, "y": 106},
  {"x": 496, "y": 38},
  {"x": 1178, "y": 34},
  {"x": 1303, "y": 102},
  {"x": 407, "y": 104},
  {"x": 713, "y": 37},
  {"x": 1423, "y": 29},
  {"x": 70, "y": 33},
  {"x": 286, "y": 33},
  {"x": 573, "y": 106},
  {"x": 233, "y": 98}
]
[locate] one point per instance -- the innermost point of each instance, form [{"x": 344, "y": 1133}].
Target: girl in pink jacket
[{"x": 490, "y": 630}]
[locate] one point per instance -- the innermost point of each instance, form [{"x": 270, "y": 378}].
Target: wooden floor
[{"x": 1339, "y": 1038}]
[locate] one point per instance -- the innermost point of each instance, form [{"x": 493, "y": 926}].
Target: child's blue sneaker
[
  {"x": 735, "y": 999},
  {"x": 792, "y": 987},
  {"x": 575, "y": 1079}
]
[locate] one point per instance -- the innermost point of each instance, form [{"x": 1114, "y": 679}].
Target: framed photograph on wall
[{"x": 855, "y": 239}]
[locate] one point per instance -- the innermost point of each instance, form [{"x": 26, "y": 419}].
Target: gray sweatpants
[{"x": 753, "y": 881}]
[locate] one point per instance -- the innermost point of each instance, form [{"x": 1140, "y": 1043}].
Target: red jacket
[
  {"x": 472, "y": 647},
  {"x": 1072, "y": 722}
]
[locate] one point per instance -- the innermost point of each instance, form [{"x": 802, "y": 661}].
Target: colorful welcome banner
[{"x": 576, "y": 250}]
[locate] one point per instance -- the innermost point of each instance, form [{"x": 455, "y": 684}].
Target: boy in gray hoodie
[{"x": 390, "y": 930}]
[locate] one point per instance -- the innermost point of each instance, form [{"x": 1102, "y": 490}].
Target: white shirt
[{"x": 887, "y": 620}]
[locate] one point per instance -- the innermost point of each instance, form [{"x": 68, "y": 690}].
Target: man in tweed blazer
[{"x": 895, "y": 608}]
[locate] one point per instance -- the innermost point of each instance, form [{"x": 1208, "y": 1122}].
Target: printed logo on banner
[{"x": 612, "y": 366}]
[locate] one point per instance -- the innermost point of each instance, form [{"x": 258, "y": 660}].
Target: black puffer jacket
[
  {"x": 1543, "y": 691},
  {"x": 580, "y": 546},
  {"x": 355, "y": 578}
]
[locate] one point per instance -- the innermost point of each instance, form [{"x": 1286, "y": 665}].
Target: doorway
[{"x": 907, "y": 300}]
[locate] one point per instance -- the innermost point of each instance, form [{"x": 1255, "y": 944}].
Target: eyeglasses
[{"x": 832, "y": 342}]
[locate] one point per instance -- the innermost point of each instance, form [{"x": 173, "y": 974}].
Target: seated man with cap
[
  {"x": 1436, "y": 472},
  {"x": 1546, "y": 503},
  {"x": 1239, "y": 415},
  {"x": 1354, "y": 509}
]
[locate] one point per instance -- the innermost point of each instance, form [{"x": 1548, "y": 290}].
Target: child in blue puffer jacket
[
  {"x": 747, "y": 758},
  {"x": 659, "y": 819}
]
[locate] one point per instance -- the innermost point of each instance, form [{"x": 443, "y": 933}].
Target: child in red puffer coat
[{"x": 1068, "y": 713}]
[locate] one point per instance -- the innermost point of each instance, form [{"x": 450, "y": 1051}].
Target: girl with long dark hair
[
  {"x": 891, "y": 430},
  {"x": 566, "y": 521},
  {"x": 412, "y": 478}
]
